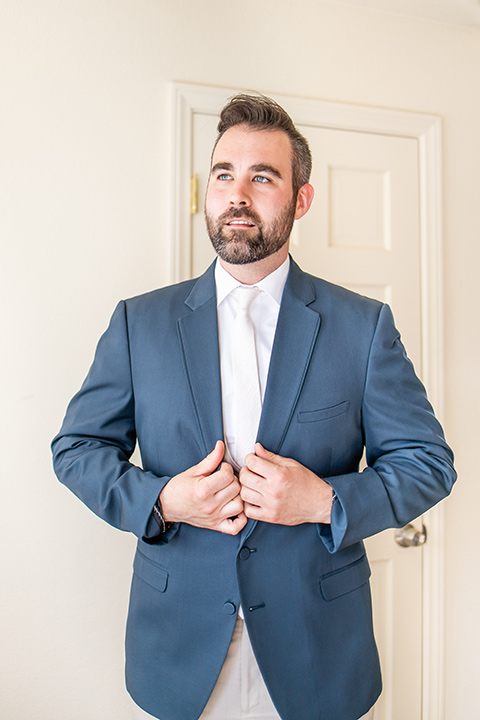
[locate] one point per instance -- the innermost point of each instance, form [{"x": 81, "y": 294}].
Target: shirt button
[{"x": 230, "y": 608}]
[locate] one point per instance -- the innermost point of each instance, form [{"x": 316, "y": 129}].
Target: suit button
[
  {"x": 244, "y": 553},
  {"x": 230, "y": 608}
]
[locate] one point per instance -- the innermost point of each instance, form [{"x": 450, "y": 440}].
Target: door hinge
[{"x": 194, "y": 194}]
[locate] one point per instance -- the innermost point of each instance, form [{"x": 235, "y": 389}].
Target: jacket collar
[{"x": 297, "y": 330}]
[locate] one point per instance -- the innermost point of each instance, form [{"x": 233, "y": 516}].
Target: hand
[
  {"x": 282, "y": 491},
  {"x": 206, "y": 495}
]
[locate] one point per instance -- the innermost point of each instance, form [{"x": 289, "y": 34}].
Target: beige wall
[{"x": 84, "y": 194}]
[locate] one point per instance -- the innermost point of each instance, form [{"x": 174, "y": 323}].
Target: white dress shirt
[{"x": 264, "y": 315}]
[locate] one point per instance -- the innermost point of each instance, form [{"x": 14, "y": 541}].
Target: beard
[{"x": 242, "y": 246}]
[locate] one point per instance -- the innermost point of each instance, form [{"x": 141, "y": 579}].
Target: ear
[{"x": 304, "y": 200}]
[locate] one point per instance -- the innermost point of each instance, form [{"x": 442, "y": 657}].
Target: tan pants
[{"x": 240, "y": 693}]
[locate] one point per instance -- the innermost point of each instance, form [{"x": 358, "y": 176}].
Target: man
[{"x": 250, "y": 596}]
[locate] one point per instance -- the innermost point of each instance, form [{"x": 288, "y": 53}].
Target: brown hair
[{"x": 262, "y": 113}]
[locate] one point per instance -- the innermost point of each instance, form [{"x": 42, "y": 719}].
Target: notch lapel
[
  {"x": 295, "y": 337},
  {"x": 297, "y": 330},
  {"x": 198, "y": 330}
]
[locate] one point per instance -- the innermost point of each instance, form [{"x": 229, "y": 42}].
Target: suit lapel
[
  {"x": 198, "y": 332},
  {"x": 295, "y": 337}
]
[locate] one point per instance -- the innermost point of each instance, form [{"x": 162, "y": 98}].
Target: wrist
[
  {"x": 328, "y": 497},
  {"x": 159, "y": 516}
]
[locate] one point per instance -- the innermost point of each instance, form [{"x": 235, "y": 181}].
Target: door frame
[{"x": 187, "y": 99}]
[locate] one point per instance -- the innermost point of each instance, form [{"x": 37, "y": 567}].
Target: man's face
[{"x": 249, "y": 205}]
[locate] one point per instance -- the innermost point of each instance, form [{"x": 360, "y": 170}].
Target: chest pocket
[{"x": 324, "y": 414}]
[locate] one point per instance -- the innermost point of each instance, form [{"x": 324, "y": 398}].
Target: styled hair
[{"x": 260, "y": 112}]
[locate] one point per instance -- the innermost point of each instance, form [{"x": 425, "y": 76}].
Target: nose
[{"x": 239, "y": 194}]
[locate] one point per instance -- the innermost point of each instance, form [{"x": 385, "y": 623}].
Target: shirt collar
[{"x": 273, "y": 284}]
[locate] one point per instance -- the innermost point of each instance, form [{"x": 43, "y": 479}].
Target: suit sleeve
[
  {"x": 409, "y": 465},
  {"x": 91, "y": 453}
]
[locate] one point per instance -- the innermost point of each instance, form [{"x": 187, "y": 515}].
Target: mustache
[{"x": 240, "y": 213}]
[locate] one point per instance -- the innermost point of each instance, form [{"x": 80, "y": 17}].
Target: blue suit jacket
[{"x": 339, "y": 380}]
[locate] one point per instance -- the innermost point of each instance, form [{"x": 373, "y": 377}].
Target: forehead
[{"x": 244, "y": 146}]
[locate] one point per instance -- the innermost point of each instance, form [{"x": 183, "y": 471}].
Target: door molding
[{"x": 189, "y": 99}]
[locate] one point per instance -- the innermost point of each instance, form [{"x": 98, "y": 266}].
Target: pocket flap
[
  {"x": 323, "y": 414},
  {"x": 151, "y": 573},
  {"x": 344, "y": 580}
]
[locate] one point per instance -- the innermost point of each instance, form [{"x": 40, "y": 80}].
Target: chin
[
  {"x": 238, "y": 251},
  {"x": 237, "y": 256}
]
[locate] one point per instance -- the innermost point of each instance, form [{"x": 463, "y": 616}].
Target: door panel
[{"x": 362, "y": 230}]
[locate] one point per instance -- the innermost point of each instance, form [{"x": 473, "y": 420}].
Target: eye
[
  {"x": 224, "y": 176},
  {"x": 261, "y": 179}
]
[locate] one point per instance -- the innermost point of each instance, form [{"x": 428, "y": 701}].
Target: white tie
[{"x": 248, "y": 402}]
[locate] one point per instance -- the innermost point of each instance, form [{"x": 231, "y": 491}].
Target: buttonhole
[{"x": 256, "y": 607}]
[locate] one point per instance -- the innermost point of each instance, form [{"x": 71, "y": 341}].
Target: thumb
[
  {"x": 265, "y": 454},
  {"x": 211, "y": 462}
]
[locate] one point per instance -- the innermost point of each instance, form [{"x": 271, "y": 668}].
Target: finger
[
  {"x": 232, "y": 526},
  {"x": 261, "y": 452},
  {"x": 228, "y": 493},
  {"x": 232, "y": 508},
  {"x": 258, "y": 465},
  {"x": 254, "y": 512},
  {"x": 220, "y": 479},
  {"x": 252, "y": 480},
  {"x": 251, "y": 497},
  {"x": 211, "y": 462}
]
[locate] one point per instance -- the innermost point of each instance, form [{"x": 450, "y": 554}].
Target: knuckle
[
  {"x": 277, "y": 493},
  {"x": 234, "y": 509},
  {"x": 202, "y": 492},
  {"x": 237, "y": 487},
  {"x": 282, "y": 475},
  {"x": 275, "y": 516},
  {"x": 209, "y": 507}
]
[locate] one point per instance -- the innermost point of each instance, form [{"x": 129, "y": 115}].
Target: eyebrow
[
  {"x": 221, "y": 166},
  {"x": 266, "y": 169},
  {"x": 260, "y": 168}
]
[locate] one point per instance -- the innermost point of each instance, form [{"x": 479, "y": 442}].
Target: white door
[{"x": 363, "y": 232}]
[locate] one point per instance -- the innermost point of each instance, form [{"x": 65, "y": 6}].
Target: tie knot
[{"x": 246, "y": 295}]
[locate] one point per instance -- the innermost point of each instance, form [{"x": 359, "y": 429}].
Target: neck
[{"x": 254, "y": 272}]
